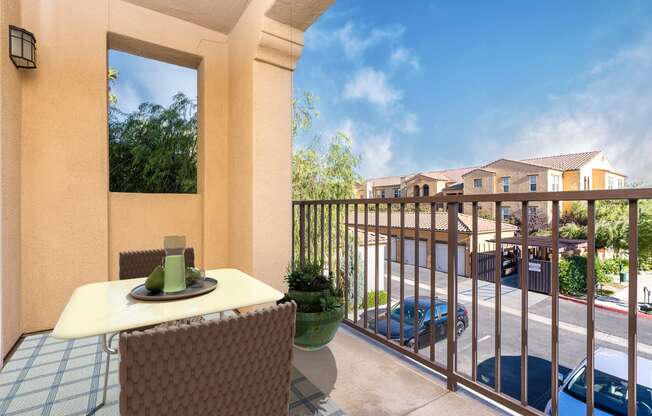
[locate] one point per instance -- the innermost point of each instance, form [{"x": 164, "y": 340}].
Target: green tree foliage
[
  {"x": 612, "y": 227},
  {"x": 154, "y": 149},
  {"x": 321, "y": 171},
  {"x": 572, "y": 275}
]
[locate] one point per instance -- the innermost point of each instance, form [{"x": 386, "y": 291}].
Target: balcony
[{"x": 517, "y": 334}]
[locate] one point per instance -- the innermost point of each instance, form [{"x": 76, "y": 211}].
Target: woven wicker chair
[
  {"x": 134, "y": 264},
  {"x": 238, "y": 366}
]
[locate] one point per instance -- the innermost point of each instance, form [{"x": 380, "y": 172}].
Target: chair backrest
[
  {"x": 134, "y": 264},
  {"x": 237, "y": 366}
]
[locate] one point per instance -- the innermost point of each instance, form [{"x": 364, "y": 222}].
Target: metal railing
[{"x": 336, "y": 257}]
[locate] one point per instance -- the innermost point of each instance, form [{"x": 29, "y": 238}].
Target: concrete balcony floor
[{"x": 365, "y": 378}]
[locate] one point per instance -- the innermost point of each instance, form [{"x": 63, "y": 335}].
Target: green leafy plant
[
  {"x": 572, "y": 275},
  {"x": 308, "y": 278}
]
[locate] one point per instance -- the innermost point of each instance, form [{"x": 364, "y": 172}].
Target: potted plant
[{"x": 319, "y": 305}]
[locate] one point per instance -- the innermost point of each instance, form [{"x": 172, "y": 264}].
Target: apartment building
[{"x": 566, "y": 172}]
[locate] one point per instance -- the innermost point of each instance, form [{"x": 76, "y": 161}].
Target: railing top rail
[{"x": 595, "y": 195}]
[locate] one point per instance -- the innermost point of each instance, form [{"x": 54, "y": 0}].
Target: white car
[{"x": 610, "y": 386}]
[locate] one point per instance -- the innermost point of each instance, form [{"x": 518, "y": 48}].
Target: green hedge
[{"x": 572, "y": 275}]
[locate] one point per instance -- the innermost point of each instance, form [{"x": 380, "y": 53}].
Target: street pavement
[{"x": 611, "y": 332}]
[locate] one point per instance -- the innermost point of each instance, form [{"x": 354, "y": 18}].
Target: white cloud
[
  {"x": 611, "y": 111},
  {"x": 371, "y": 85},
  {"x": 376, "y": 152},
  {"x": 355, "y": 45},
  {"x": 402, "y": 56},
  {"x": 128, "y": 97},
  {"x": 409, "y": 124}
]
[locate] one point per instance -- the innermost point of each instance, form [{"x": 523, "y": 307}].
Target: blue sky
[
  {"x": 142, "y": 79},
  {"x": 429, "y": 85}
]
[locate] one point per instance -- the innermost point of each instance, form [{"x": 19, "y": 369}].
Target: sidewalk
[{"x": 619, "y": 301}]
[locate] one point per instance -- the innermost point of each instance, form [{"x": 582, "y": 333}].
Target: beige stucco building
[
  {"x": 569, "y": 172},
  {"x": 61, "y": 227}
]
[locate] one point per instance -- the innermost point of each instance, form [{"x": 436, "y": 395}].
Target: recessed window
[
  {"x": 382, "y": 193},
  {"x": 426, "y": 190},
  {"x": 477, "y": 183},
  {"x": 397, "y": 192},
  {"x": 505, "y": 182},
  {"x": 555, "y": 183},
  {"x": 506, "y": 213},
  {"x": 532, "y": 211},
  {"x": 152, "y": 125},
  {"x": 533, "y": 182}
]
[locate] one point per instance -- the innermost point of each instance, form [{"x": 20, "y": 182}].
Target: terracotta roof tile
[
  {"x": 571, "y": 161},
  {"x": 464, "y": 225}
]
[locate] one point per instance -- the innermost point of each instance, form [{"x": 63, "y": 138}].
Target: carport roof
[
  {"x": 464, "y": 222},
  {"x": 541, "y": 241}
]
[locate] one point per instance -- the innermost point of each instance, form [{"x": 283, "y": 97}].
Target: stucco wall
[
  {"x": 10, "y": 117},
  {"x": 73, "y": 227},
  {"x": 140, "y": 221}
]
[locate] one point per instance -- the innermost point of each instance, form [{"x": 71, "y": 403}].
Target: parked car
[
  {"x": 441, "y": 317},
  {"x": 610, "y": 386}
]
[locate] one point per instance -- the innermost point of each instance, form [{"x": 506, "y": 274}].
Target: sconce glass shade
[{"x": 22, "y": 47}]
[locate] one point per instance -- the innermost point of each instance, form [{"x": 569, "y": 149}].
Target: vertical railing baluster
[
  {"x": 376, "y": 267},
  {"x": 321, "y": 223},
  {"x": 474, "y": 293},
  {"x": 330, "y": 238},
  {"x": 632, "y": 309},
  {"x": 314, "y": 234},
  {"x": 346, "y": 259},
  {"x": 417, "y": 234},
  {"x": 302, "y": 234},
  {"x": 590, "y": 309},
  {"x": 451, "y": 321},
  {"x": 355, "y": 263},
  {"x": 365, "y": 284},
  {"x": 498, "y": 264},
  {"x": 525, "y": 288},
  {"x": 554, "y": 285},
  {"x": 294, "y": 240},
  {"x": 388, "y": 334},
  {"x": 433, "y": 279},
  {"x": 308, "y": 232},
  {"x": 402, "y": 287},
  {"x": 337, "y": 246}
]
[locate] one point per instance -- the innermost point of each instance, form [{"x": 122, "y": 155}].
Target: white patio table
[{"x": 100, "y": 309}]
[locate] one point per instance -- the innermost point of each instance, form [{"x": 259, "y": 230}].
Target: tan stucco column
[{"x": 260, "y": 144}]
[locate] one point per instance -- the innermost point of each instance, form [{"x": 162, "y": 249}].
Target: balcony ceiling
[{"x": 219, "y": 15}]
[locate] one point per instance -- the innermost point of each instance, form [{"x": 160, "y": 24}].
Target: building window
[
  {"x": 611, "y": 183},
  {"x": 587, "y": 183},
  {"x": 621, "y": 183},
  {"x": 506, "y": 213},
  {"x": 416, "y": 190},
  {"x": 397, "y": 192},
  {"x": 533, "y": 183},
  {"x": 370, "y": 193},
  {"x": 426, "y": 190},
  {"x": 477, "y": 183},
  {"x": 531, "y": 211},
  {"x": 382, "y": 193},
  {"x": 505, "y": 180},
  {"x": 555, "y": 183}
]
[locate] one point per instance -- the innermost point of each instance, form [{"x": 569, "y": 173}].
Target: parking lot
[{"x": 611, "y": 332}]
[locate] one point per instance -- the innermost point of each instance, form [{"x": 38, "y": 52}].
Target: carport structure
[
  {"x": 486, "y": 232},
  {"x": 540, "y": 252}
]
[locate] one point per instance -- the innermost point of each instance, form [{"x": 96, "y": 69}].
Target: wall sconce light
[{"x": 22, "y": 47}]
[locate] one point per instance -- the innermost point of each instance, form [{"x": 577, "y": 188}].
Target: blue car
[
  {"x": 610, "y": 386},
  {"x": 423, "y": 329}
]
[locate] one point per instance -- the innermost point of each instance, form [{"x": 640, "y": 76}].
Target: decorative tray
[{"x": 200, "y": 287}]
